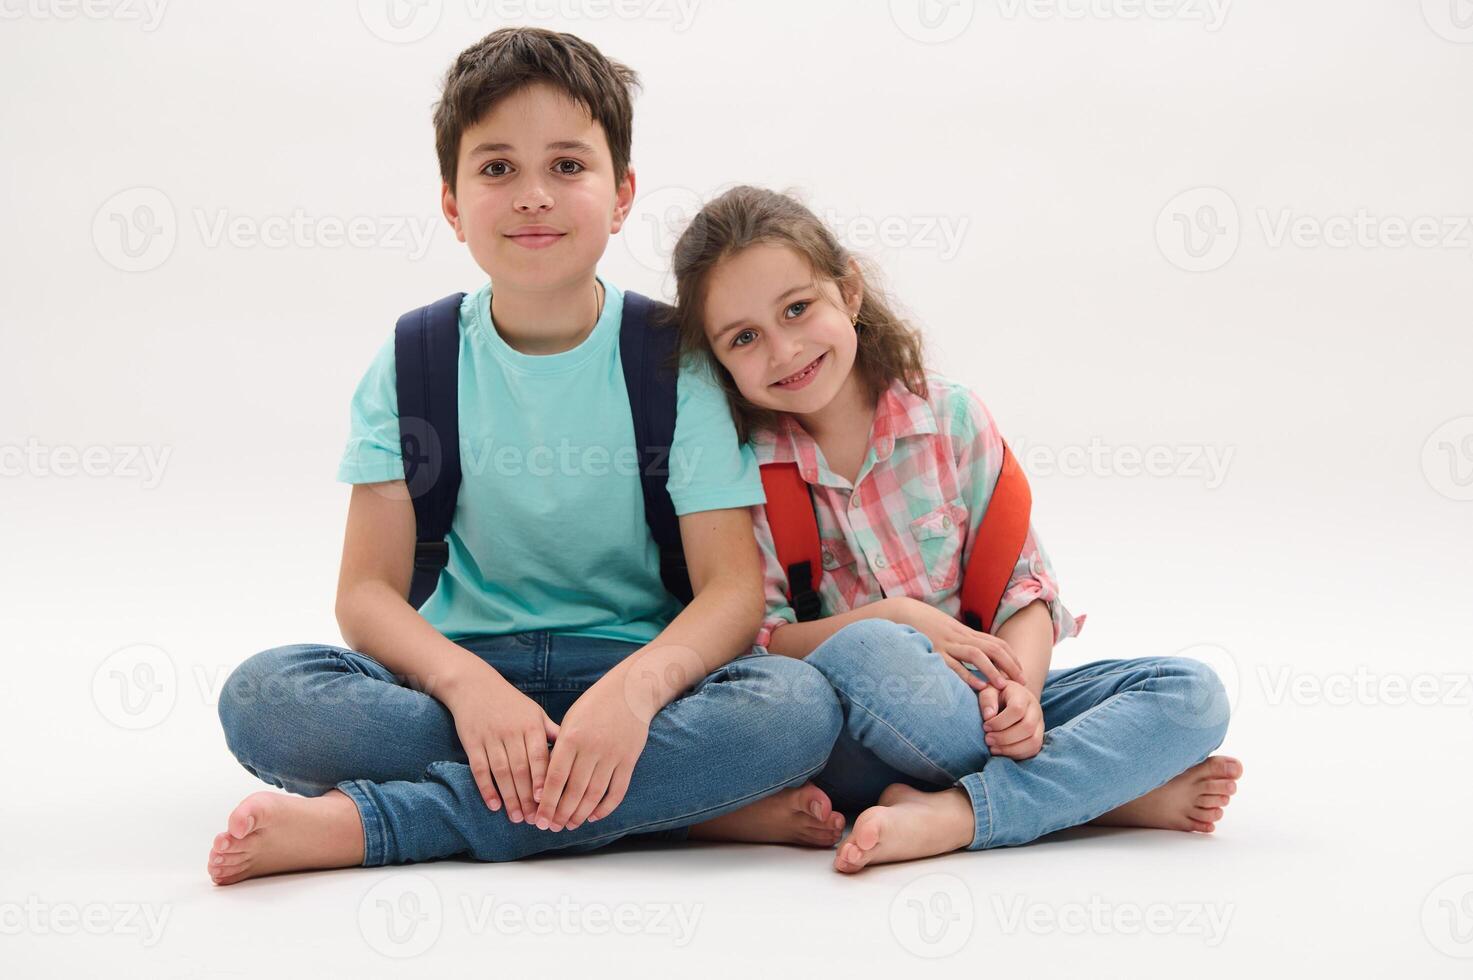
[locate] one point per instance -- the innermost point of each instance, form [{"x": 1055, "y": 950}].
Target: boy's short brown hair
[{"x": 512, "y": 58}]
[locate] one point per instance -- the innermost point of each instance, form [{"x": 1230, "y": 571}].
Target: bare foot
[
  {"x": 801, "y": 815},
  {"x": 908, "y": 823},
  {"x": 1192, "y": 801},
  {"x": 272, "y": 832}
]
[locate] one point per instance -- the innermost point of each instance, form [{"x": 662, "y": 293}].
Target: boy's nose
[{"x": 533, "y": 198}]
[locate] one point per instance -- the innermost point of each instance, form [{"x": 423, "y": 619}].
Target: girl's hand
[
  {"x": 958, "y": 644},
  {"x": 1015, "y": 731},
  {"x": 505, "y": 735},
  {"x": 599, "y": 741}
]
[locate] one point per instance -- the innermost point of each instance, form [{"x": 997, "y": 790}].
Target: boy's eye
[
  {"x": 739, "y": 336},
  {"x": 800, "y": 303},
  {"x": 561, "y": 164},
  {"x": 490, "y": 171}
]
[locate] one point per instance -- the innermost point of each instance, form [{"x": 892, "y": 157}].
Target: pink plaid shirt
[{"x": 907, "y": 526}]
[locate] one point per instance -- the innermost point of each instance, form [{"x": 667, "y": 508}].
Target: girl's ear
[{"x": 852, "y": 289}]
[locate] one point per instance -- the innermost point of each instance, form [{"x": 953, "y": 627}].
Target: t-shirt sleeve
[
  {"x": 372, "y": 454},
  {"x": 709, "y": 469}
]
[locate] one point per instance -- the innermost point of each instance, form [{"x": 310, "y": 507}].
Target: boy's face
[
  {"x": 767, "y": 320},
  {"x": 535, "y": 198}
]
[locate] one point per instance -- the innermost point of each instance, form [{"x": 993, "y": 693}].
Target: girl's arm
[
  {"x": 1030, "y": 634},
  {"x": 798, "y": 640}
]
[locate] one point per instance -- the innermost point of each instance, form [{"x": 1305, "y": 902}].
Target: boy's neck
[{"x": 548, "y": 321}]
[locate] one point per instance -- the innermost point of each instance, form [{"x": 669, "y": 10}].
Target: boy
[{"x": 550, "y": 621}]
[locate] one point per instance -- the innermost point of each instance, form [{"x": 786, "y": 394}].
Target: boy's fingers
[
  {"x": 576, "y": 788},
  {"x": 552, "y": 789},
  {"x": 598, "y": 785},
  {"x": 1011, "y": 736},
  {"x": 505, "y": 785},
  {"x": 481, "y": 770},
  {"x": 977, "y": 658},
  {"x": 618, "y": 786},
  {"x": 521, "y": 771},
  {"x": 1010, "y": 714},
  {"x": 537, "y": 760}
]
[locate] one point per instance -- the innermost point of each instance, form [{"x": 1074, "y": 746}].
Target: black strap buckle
[{"x": 431, "y": 556}]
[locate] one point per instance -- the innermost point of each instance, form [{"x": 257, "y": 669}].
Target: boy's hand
[
  {"x": 958, "y": 644},
  {"x": 504, "y": 734},
  {"x": 598, "y": 743},
  {"x": 1012, "y": 720}
]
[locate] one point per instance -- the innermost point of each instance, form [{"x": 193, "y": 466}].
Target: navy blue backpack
[{"x": 427, "y": 368}]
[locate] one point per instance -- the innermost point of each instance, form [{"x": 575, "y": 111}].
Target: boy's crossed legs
[{"x": 386, "y": 782}]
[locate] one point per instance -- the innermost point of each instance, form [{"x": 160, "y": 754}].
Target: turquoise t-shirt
[{"x": 549, "y": 530}]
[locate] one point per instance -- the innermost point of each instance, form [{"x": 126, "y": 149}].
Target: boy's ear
[
  {"x": 451, "y": 209},
  {"x": 623, "y": 200}
]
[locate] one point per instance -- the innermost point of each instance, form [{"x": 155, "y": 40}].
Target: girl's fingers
[
  {"x": 970, "y": 679},
  {"x": 1011, "y": 736},
  {"x": 987, "y": 703},
  {"x": 1011, "y": 713},
  {"x": 974, "y": 656}
]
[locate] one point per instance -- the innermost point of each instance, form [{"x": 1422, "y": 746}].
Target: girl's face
[{"x": 788, "y": 342}]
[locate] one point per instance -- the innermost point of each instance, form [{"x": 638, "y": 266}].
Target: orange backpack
[{"x": 1000, "y": 541}]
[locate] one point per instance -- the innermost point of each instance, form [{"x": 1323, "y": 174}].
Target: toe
[
  {"x": 1224, "y": 767},
  {"x": 1201, "y": 827},
  {"x": 814, "y": 802},
  {"x": 243, "y": 819},
  {"x": 1221, "y": 787},
  {"x": 1207, "y": 814},
  {"x": 1211, "y": 800}
]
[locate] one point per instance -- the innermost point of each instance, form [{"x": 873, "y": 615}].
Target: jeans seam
[
  {"x": 1154, "y": 669},
  {"x": 1092, "y": 709},
  {"x": 981, "y": 783}
]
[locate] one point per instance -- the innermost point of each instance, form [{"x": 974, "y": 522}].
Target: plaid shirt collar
[{"x": 899, "y": 413}]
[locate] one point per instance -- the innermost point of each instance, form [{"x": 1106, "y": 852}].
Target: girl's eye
[
  {"x": 490, "y": 172},
  {"x": 803, "y": 303},
  {"x": 560, "y": 164},
  {"x": 739, "y": 336}
]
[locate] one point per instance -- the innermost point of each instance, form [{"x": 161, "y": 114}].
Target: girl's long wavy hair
[{"x": 889, "y": 348}]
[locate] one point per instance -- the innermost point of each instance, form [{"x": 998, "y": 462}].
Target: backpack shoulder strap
[
  {"x": 795, "y": 535},
  {"x": 647, "y": 345},
  {"x": 426, "y": 371},
  {"x": 1000, "y": 540}
]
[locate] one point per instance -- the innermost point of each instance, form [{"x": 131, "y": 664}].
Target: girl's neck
[
  {"x": 842, "y": 427},
  {"x": 547, "y": 321}
]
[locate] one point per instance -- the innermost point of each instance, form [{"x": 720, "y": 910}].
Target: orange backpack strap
[
  {"x": 1000, "y": 541},
  {"x": 795, "y": 534}
]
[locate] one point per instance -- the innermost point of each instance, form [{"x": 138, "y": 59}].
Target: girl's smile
[{"x": 803, "y": 378}]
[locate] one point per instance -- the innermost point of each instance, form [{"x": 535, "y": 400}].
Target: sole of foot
[
  {"x": 1193, "y": 801},
  {"x": 906, "y": 824},
  {"x": 270, "y": 833},
  {"x": 803, "y": 815}
]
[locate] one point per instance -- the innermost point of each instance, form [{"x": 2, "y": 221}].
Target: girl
[{"x": 953, "y": 738}]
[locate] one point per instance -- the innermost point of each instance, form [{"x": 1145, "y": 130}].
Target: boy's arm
[
  {"x": 372, "y": 612},
  {"x": 717, "y": 625}
]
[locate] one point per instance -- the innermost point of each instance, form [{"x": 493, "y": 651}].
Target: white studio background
[{"x": 1209, "y": 263}]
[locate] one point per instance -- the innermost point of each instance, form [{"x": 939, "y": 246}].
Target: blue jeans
[
  {"x": 1114, "y": 731},
  {"x": 310, "y": 718}
]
